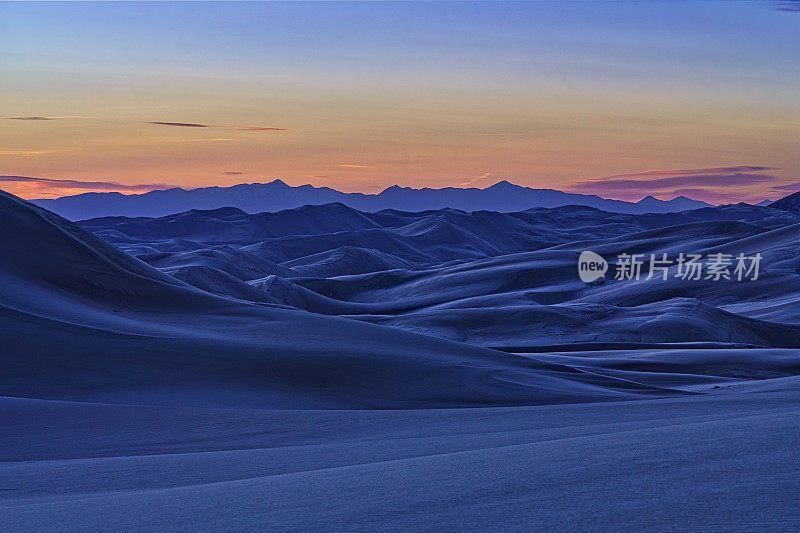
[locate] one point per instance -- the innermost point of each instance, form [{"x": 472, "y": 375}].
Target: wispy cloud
[
  {"x": 353, "y": 166},
  {"x": 259, "y": 128},
  {"x": 78, "y": 184},
  {"x": 31, "y": 187},
  {"x": 124, "y": 141},
  {"x": 789, "y": 187},
  {"x": 262, "y": 129},
  {"x": 45, "y": 118},
  {"x": 40, "y": 152},
  {"x": 233, "y": 173},
  {"x": 719, "y": 197},
  {"x": 712, "y": 184},
  {"x": 694, "y": 171},
  {"x": 31, "y": 118},
  {"x": 472, "y": 181},
  {"x": 180, "y": 124}
]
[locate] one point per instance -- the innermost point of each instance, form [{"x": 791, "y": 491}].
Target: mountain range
[{"x": 277, "y": 195}]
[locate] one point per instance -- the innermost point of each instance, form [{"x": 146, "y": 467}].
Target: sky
[{"x": 619, "y": 99}]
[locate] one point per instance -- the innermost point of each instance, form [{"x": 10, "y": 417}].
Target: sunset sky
[{"x": 620, "y": 99}]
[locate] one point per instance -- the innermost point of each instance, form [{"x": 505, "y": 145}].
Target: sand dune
[
  {"x": 100, "y": 325},
  {"x": 238, "y": 263},
  {"x": 723, "y": 460},
  {"x": 460, "y": 275},
  {"x": 219, "y": 391},
  {"x": 343, "y": 261}
]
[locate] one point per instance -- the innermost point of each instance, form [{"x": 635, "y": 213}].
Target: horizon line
[{"x": 394, "y": 186}]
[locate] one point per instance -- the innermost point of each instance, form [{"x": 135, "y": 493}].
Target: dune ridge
[{"x": 394, "y": 370}]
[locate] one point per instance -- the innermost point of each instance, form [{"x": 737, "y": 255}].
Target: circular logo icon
[{"x": 591, "y": 266}]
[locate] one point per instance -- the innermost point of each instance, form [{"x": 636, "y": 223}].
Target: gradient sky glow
[{"x": 359, "y": 96}]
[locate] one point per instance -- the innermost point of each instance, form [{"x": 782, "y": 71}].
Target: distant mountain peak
[
  {"x": 395, "y": 188},
  {"x": 649, "y": 200},
  {"x": 503, "y": 185}
]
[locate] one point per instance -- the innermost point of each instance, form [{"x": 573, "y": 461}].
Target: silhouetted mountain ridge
[{"x": 277, "y": 195}]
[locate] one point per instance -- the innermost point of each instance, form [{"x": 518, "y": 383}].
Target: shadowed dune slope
[
  {"x": 416, "y": 240},
  {"x": 242, "y": 407},
  {"x": 509, "y": 279},
  {"x": 79, "y": 319},
  {"x": 345, "y": 260}
]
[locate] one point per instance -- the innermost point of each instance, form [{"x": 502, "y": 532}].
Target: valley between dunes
[{"x": 329, "y": 368}]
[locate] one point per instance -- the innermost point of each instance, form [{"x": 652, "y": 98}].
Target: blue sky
[{"x": 364, "y": 95}]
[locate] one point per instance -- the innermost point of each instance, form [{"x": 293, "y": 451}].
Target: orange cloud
[
  {"x": 709, "y": 184},
  {"x": 693, "y": 171},
  {"x": 29, "y": 187},
  {"x": 470, "y": 181},
  {"x": 354, "y": 166}
]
